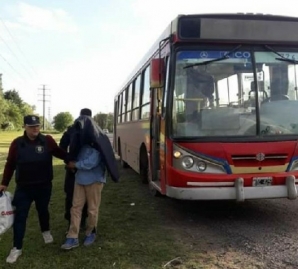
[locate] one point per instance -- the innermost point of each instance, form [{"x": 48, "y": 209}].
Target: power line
[
  {"x": 14, "y": 54},
  {"x": 13, "y": 68},
  {"x": 20, "y": 50},
  {"x": 4, "y": 71},
  {"x": 44, "y": 95}
]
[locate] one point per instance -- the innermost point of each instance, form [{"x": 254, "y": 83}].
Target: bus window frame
[
  {"x": 166, "y": 86},
  {"x": 128, "y": 109},
  {"x": 137, "y": 107},
  {"x": 147, "y": 104}
]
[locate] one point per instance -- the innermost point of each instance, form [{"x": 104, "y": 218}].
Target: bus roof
[{"x": 224, "y": 27}]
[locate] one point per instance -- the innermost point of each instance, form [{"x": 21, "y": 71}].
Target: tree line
[
  {"x": 64, "y": 119},
  {"x": 13, "y": 109}
]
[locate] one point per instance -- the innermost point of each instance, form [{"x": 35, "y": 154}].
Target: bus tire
[
  {"x": 122, "y": 163},
  {"x": 144, "y": 165}
]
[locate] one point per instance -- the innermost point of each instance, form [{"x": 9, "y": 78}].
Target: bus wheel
[
  {"x": 146, "y": 175},
  {"x": 144, "y": 167},
  {"x": 122, "y": 163}
]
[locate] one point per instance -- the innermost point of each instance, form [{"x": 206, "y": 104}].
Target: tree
[
  {"x": 14, "y": 115},
  {"x": 14, "y": 97},
  {"x": 12, "y": 110},
  {"x": 101, "y": 120},
  {"x": 105, "y": 121},
  {"x": 110, "y": 122},
  {"x": 1, "y": 88},
  {"x": 62, "y": 120},
  {"x": 3, "y": 110}
]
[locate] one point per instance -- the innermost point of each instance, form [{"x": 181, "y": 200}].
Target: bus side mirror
[{"x": 157, "y": 73}]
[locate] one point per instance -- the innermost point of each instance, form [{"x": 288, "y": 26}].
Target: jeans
[{"x": 23, "y": 198}]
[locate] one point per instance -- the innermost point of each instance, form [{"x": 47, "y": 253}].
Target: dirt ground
[{"x": 230, "y": 235}]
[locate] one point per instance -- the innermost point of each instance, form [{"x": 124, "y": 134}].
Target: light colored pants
[{"x": 82, "y": 193}]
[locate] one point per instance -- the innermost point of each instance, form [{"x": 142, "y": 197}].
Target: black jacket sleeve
[{"x": 65, "y": 139}]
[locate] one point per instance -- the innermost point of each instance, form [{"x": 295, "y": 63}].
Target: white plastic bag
[{"x": 6, "y": 211}]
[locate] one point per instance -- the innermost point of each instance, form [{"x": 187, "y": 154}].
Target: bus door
[
  {"x": 156, "y": 85},
  {"x": 155, "y": 133}
]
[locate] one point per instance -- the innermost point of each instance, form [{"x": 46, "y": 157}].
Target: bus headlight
[
  {"x": 187, "y": 162},
  {"x": 177, "y": 154},
  {"x": 201, "y": 166}
]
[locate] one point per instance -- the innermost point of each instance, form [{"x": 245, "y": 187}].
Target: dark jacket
[
  {"x": 87, "y": 132},
  {"x": 32, "y": 160},
  {"x": 65, "y": 139}
]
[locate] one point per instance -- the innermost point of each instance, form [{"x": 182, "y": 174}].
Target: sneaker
[
  {"x": 70, "y": 243},
  {"x": 13, "y": 255},
  {"x": 89, "y": 239},
  {"x": 47, "y": 237}
]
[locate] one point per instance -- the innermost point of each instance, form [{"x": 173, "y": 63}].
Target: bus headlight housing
[{"x": 192, "y": 162}]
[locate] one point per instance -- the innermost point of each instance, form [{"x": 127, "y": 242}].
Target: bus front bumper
[{"x": 237, "y": 192}]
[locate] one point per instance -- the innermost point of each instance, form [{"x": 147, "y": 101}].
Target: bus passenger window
[
  {"x": 136, "y": 99},
  {"x": 145, "y": 105}
]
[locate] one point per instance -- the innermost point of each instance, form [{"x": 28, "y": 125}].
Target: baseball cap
[
  {"x": 86, "y": 112},
  {"x": 31, "y": 120}
]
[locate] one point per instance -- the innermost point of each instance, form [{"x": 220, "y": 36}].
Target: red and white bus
[{"x": 211, "y": 112}]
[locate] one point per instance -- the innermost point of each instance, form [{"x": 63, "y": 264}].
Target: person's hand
[
  {"x": 71, "y": 165},
  {"x": 3, "y": 188}
]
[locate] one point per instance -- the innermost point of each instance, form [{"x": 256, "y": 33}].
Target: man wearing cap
[
  {"x": 69, "y": 181},
  {"x": 30, "y": 156}
]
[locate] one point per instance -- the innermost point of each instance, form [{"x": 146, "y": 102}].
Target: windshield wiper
[
  {"x": 226, "y": 56},
  {"x": 282, "y": 58}
]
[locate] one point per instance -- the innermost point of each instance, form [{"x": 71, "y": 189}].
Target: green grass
[{"x": 132, "y": 231}]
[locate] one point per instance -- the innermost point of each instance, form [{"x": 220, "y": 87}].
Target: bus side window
[
  {"x": 145, "y": 99},
  {"x": 120, "y": 108},
  {"x": 166, "y": 86}
]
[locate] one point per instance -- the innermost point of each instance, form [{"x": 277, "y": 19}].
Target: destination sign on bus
[
  {"x": 204, "y": 54},
  {"x": 201, "y": 54}
]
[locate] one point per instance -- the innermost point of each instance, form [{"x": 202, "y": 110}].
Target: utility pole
[
  {"x": 44, "y": 100},
  {"x": 49, "y": 117}
]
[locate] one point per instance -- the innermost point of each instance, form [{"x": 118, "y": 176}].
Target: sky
[{"x": 84, "y": 50}]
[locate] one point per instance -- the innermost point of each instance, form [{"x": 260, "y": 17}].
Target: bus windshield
[{"x": 228, "y": 96}]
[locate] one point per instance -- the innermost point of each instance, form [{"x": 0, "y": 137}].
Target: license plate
[{"x": 261, "y": 181}]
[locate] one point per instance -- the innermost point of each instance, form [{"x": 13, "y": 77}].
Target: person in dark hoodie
[{"x": 69, "y": 181}]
